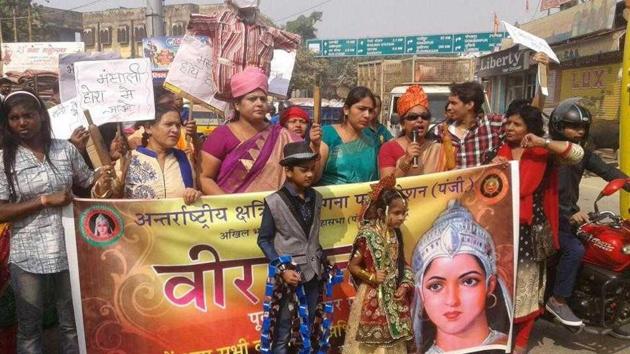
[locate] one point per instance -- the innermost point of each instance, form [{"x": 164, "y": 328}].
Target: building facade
[
  {"x": 588, "y": 41},
  {"x": 122, "y": 30}
]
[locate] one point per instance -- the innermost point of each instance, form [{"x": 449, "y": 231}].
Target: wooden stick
[
  {"x": 96, "y": 149},
  {"x": 317, "y": 105}
]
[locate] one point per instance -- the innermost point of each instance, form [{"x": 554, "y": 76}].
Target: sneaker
[
  {"x": 563, "y": 313},
  {"x": 622, "y": 332}
]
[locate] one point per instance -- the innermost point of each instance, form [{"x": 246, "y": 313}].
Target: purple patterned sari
[{"x": 254, "y": 165}]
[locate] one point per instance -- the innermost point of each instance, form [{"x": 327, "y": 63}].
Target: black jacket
[{"x": 571, "y": 175}]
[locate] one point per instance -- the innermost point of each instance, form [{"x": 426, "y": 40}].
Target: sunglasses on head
[{"x": 414, "y": 116}]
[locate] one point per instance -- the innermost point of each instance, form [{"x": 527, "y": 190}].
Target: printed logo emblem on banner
[
  {"x": 101, "y": 226},
  {"x": 493, "y": 186}
]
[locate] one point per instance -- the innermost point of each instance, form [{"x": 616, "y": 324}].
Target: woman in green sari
[{"x": 348, "y": 155}]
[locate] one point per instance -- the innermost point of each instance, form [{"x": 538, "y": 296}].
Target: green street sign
[
  {"x": 339, "y": 47},
  {"x": 433, "y": 44},
  {"x": 381, "y": 46},
  {"x": 482, "y": 42},
  {"x": 429, "y": 44}
]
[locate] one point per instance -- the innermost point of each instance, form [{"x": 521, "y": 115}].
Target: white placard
[
  {"x": 115, "y": 90},
  {"x": 65, "y": 118},
  {"x": 20, "y": 57},
  {"x": 281, "y": 71},
  {"x": 67, "y": 86},
  {"x": 530, "y": 41},
  {"x": 191, "y": 70}
]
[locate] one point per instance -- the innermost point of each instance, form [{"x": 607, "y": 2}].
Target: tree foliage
[
  {"x": 40, "y": 31},
  {"x": 328, "y": 73},
  {"x": 305, "y": 25}
]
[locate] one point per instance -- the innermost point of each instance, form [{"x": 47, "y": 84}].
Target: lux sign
[{"x": 588, "y": 79}]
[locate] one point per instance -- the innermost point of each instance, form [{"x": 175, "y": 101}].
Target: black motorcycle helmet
[{"x": 572, "y": 112}]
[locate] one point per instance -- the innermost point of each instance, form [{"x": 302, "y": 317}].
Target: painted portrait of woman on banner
[{"x": 462, "y": 302}]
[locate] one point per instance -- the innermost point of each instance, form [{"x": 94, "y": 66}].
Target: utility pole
[
  {"x": 98, "y": 36},
  {"x": 154, "y": 18},
  {"x": 133, "y": 39},
  {"x": 30, "y": 27},
  {"x": 624, "y": 117},
  {"x": 1, "y": 39},
  {"x": 14, "y": 26}
]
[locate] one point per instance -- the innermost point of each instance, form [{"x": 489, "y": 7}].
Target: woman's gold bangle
[{"x": 365, "y": 275}]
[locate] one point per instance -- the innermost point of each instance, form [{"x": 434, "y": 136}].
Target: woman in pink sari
[{"x": 243, "y": 155}]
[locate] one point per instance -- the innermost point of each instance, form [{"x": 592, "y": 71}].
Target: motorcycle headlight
[{"x": 626, "y": 249}]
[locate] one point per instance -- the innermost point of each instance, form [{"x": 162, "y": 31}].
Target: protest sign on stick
[
  {"x": 190, "y": 74},
  {"x": 281, "y": 71},
  {"x": 65, "y": 118},
  {"x": 115, "y": 90},
  {"x": 67, "y": 86},
  {"x": 530, "y": 41}
]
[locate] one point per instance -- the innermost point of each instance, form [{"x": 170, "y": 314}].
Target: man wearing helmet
[{"x": 571, "y": 121}]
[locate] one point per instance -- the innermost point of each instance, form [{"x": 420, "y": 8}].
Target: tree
[
  {"x": 305, "y": 25},
  {"x": 38, "y": 28},
  {"x": 308, "y": 69},
  {"x": 307, "y": 72},
  {"x": 329, "y": 73}
]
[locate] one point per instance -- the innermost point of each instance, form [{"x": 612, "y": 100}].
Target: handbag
[{"x": 542, "y": 239}]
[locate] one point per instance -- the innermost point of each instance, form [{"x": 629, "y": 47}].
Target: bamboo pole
[
  {"x": 624, "y": 118},
  {"x": 96, "y": 149},
  {"x": 317, "y": 105}
]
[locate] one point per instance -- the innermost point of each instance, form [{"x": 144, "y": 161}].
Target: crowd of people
[{"x": 164, "y": 159}]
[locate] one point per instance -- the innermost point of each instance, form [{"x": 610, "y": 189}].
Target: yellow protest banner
[{"x": 163, "y": 277}]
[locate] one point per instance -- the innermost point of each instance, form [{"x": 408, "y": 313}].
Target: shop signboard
[
  {"x": 589, "y": 17},
  {"x": 503, "y": 62},
  {"x": 20, "y": 57},
  {"x": 550, "y": 4},
  {"x": 598, "y": 85},
  {"x": 589, "y": 47}
]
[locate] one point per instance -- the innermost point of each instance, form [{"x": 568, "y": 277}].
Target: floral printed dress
[
  {"x": 145, "y": 179},
  {"x": 378, "y": 322}
]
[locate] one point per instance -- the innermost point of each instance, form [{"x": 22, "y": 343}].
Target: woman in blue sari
[{"x": 348, "y": 155}]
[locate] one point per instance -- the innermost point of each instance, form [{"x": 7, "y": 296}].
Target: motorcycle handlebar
[{"x": 595, "y": 217}]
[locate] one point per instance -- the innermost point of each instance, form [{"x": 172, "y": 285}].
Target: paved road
[{"x": 549, "y": 337}]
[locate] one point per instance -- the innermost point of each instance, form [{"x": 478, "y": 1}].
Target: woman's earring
[{"x": 494, "y": 303}]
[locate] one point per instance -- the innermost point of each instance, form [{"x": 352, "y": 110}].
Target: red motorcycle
[{"x": 602, "y": 293}]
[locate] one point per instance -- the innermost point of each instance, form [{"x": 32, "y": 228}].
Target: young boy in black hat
[{"x": 290, "y": 227}]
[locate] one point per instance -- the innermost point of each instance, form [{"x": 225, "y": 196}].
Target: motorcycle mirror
[
  {"x": 610, "y": 189},
  {"x": 613, "y": 186}
]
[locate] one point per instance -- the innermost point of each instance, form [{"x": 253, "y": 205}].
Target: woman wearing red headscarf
[
  {"x": 397, "y": 155},
  {"x": 295, "y": 119}
]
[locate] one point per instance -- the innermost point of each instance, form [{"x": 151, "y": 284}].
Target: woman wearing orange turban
[{"x": 397, "y": 155}]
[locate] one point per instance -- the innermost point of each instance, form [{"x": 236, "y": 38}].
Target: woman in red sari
[
  {"x": 537, "y": 158},
  {"x": 243, "y": 155}
]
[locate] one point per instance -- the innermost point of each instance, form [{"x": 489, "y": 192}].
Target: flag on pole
[{"x": 495, "y": 24}]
